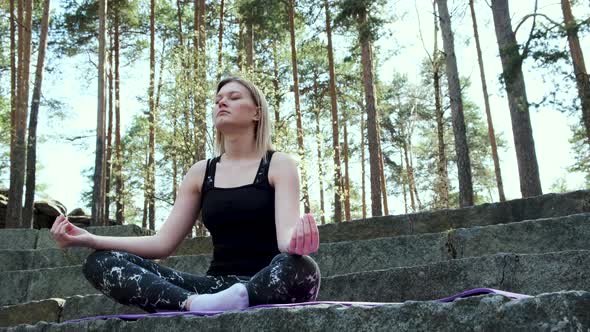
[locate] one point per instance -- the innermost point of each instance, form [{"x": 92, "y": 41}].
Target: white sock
[{"x": 235, "y": 297}]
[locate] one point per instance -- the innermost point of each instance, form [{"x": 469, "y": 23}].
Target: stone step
[
  {"x": 544, "y": 206},
  {"x": 527, "y": 273},
  {"x": 14, "y": 239},
  {"x": 552, "y": 311},
  {"x": 535, "y": 236}
]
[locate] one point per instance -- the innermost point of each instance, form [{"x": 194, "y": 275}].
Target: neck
[{"x": 240, "y": 146}]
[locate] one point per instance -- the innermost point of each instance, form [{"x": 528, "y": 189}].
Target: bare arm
[
  {"x": 284, "y": 177},
  {"x": 179, "y": 222},
  {"x": 295, "y": 235}
]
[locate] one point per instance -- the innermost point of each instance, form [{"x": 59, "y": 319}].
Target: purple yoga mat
[{"x": 467, "y": 293}]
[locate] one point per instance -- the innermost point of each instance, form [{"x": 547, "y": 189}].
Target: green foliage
[
  {"x": 76, "y": 30},
  {"x": 559, "y": 185},
  {"x": 351, "y": 11},
  {"x": 581, "y": 149}
]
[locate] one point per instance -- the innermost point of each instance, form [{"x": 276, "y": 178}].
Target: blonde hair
[{"x": 262, "y": 129}]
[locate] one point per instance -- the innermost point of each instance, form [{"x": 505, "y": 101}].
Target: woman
[{"x": 260, "y": 242}]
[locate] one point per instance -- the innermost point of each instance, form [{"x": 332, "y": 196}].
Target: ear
[{"x": 256, "y": 116}]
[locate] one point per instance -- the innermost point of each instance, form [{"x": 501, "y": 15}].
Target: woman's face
[{"x": 234, "y": 107}]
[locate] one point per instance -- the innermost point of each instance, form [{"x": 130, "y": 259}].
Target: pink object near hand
[{"x": 305, "y": 238}]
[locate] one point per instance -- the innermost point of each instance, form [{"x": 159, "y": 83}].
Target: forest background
[{"x": 416, "y": 165}]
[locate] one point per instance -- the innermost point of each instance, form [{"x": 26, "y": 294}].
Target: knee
[
  {"x": 96, "y": 263},
  {"x": 302, "y": 276},
  {"x": 298, "y": 264}
]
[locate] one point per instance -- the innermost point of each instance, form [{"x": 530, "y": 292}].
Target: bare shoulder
[
  {"x": 195, "y": 175},
  {"x": 282, "y": 165}
]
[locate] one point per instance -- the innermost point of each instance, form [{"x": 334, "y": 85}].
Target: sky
[{"x": 63, "y": 163}]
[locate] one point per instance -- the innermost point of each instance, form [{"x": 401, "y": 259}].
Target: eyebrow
[{"x": 229, "y": 93}]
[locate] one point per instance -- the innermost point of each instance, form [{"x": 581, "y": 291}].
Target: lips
[{"x": 222, "y": 112}]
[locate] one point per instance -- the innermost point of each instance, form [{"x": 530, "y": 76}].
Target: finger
[
  {"x": 56, "y": 223},
  {"x": 57, "y": 227},
  {"x": 293, "y": 244},
  {"x": 306, "y": 234},
  {"x": 69, "y": 227},
  {"x": 300, "y": 238},
  {"x": 62, "y": 227},
  {"x": 315, "y": 235}
]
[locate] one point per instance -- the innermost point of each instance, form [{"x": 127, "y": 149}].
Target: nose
[{"x": 222, "y": 102}]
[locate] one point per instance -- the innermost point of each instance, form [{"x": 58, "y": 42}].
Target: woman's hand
[
  {"x": 68, "y": 235},
  {"x": 305, "y": 238}
]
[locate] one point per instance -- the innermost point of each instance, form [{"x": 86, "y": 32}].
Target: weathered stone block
[
  {"x": 195, "y": 264},
  {"x": 536, "y": 236},
  {"x": 13, "y": 260},
  {"x": 195, "y": 246},
  {"x": 528, "y": 274},
  {"x": 78, "y": 306},
  {"x": 384, "y": 253},
  {"x": 58, "y": 282},
  {"x": 545, "y": 206},
  {"x": 568, "y": 311},
  {"x": 15, "y": 238},
  {"x": 14, "y": 287},
  {"x": 31, "y": 312}
]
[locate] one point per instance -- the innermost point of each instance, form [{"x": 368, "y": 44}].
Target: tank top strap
[
  {"x": 262, "y": 174},
  {"x": 209, "y": 179}
]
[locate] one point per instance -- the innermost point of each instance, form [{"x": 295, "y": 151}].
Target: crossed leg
[{"x": 132, "y": 280}]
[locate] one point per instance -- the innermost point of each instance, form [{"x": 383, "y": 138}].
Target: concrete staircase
[{"x": 538, "y": 246}]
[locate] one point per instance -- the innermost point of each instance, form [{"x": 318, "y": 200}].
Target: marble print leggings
[{"x": 132, "y": 280}]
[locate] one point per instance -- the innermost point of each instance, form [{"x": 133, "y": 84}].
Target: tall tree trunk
[
  {"x": 401, "y": 163},
  {"x": 187, "y": 139},
  {"x": 443, "y": 173},
  {"x": 301, "y": 148},
  {"x": 109, "y": 154},
  {"x": 414, "y": 187},
  {"x": 144, "y": 219},
  {"x": 459, "y": 131},
  {"x": 13, "y": 93},
  {"x": 200, "y": 128},
  {"x": 174, "y": 155},
  {"x": 249, "y": 44},
  {"x": 382, "y": 173},
  {"x": 582, "y": 79},
  {"x": 18, "y": 149},
  {"x": 363, "y": 186},
  {"x": 334, "y": 109},
  {"x": 32, "y": 141},
  {"x": 409, "y": 174},
  {"x": 220, "y": 48},
  {"x": 152, "y": 122},
  {"x": 98, "y": 193},
  {"x": 442, "y": 166},
  {"x": 528, "y": 169},
  {"x": 318, "y": 136},
  {"x": 276, "y": 88},
  {"x": 320, "y": 168},
  {"x": 484, "y": 86},
  {"x": 240, "y": 55},
  {"x": 120, "y": 184},
  {"x": 346, "y": 190},
  {"x": 368, "y": 81},
  {"x": 179, "y": 17},
  {"x": 160, "y": 76}
]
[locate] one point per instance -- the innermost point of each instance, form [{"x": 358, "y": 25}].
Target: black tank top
[{"x": 241, "y": 221}]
